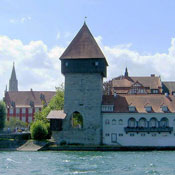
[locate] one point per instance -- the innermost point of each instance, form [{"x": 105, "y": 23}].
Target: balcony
[{"x": 148, "y": 129}]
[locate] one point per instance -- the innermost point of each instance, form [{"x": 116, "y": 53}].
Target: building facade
[
  {"x": 125, "y": 111},
  {"x": 22, "y": 105}
]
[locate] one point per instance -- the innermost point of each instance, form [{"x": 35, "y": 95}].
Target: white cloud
[
  {"x": 139, "y": 64},
  {"x": 39, "y": 68},
  {"x": 20, "y": 20}
]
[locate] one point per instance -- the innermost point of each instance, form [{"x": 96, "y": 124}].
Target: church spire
[
  {"x": 13, "y": 82},
  {"x": 126, "y": 72}
]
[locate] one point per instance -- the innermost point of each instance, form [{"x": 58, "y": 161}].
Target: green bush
[{"x": 39, "y": 130}]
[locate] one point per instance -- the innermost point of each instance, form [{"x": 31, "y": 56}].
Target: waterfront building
[
  {"x": 22, "y": 105},
  {"x": 125, "y": 111}
]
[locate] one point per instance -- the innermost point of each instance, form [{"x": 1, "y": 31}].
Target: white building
[{"x": 139, "y": 120}]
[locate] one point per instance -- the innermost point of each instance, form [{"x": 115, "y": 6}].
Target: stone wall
[{"x": 83, "y": 93}]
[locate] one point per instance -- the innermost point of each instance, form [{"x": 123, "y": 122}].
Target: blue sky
[{"x": 134, "y": 33}]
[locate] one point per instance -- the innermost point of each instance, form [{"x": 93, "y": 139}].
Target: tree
[
  {"x": 39, "y": 130},
  {"x": 56, "y": 103},
  {"x": 14, "y": 123},
  {"x": 2, "y": 115}
]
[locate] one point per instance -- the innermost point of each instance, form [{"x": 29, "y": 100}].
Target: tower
[
  {"x": 126, "y": 72},
  {"x": 84, "y": 66},
  {"x": 13, "y": 82}
]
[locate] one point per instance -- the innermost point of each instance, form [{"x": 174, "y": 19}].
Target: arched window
[
  {"x": 164, "y": 122},
  {"x": 132, "y": 122},
  {"x": 142, "y": 123},
  {"x": 153, "y": 123},
  {"x": 107, "y": 122},
  {"x": 120, "y": 122},
  {"x": 114, "y": 122},
  {"x": 77, "y": 120}
]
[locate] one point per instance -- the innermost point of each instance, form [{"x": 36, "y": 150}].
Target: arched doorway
[{"x": 77, "y": 120}]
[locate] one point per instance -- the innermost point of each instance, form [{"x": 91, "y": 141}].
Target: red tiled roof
[
  {"x": 24, "y": 98},
  {"x": 156, "y": 101},
  {"x": 152, "y": 82}
]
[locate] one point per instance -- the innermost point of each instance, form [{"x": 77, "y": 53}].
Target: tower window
[
  {"x": 96, "y": 63},
  {"x": 66, "y": 64}
]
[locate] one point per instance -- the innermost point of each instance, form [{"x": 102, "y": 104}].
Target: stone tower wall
[{"x": 83, "y": 93}]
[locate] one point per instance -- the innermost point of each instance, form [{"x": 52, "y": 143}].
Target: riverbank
[{"x": 49, "y": 145}]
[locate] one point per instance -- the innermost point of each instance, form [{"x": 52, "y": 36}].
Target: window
[
  {"x": 155, "y": 91},
  {"x": 24, "y": 118},
  {"x": 36, "y": 109},
  {"x": 120, "y": 122},
  {"x": 66, "y": 64},
  {"x": 11, "y": 110},
  {"x": 107, "y": 108},
  {"x": 154, "y": 135},
  {"x": 164, "y": 108},
  {"x": 113, "y": 137},
  {"x": 153, "y": 123},
  {"x": 113, "y": 122},
  {"x": 30, "y": 110},
  {"x": 132, "y": 108},
  {"x": 142, "y": 134},
  {"x": 148, "y": 108},
  {"x": 107, "y": 134},
  {"x": 120, "y": 135},
  {"x": 142, "y": 123},
  {"x": 30, "y": 119},
  {"x": 17, "y": 110},
  {"x": 164, "y": 122},
  {"x": 132, "y": 122},
  {"x": 131, "y": 134},
  {"x": 23, "y": 110},
  {"x": 96, "y": 63},
  {"x": 107, "y": 122}
]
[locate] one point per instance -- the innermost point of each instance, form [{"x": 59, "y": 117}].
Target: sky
[{"x": 138, "y": 34}]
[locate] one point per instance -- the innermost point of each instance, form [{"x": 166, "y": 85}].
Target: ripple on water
[{"x": 89, "y": 163}]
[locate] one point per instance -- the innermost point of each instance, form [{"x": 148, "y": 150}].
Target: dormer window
[
  {"x": 107, "y": 108},
  {"x": 154, "y": 91},
  {"x": 148, "y": 108},
  {"x": 164, "y": 108},
  {"x": 132, "y": 108}
]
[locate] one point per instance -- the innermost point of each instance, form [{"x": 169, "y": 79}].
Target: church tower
[
  {"x": 84, "y": 66},
  {"x": 13, "y": 82}
]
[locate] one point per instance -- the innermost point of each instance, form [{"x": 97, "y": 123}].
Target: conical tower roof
[
  {"x": 83, "y": 46},
  {"x": 13, "y": 75}
]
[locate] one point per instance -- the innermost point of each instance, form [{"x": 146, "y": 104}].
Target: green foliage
[
  {"x": 15, "y": 123},
  {"x": 56, "y": 103},
  {"x": 2, "y": 115},
  {"x": 39, "y": 130}
]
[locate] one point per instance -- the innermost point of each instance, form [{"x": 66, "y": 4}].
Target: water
[{"x": 91, "y": 163}]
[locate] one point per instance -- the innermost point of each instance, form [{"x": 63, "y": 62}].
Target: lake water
[{"x": 91, "y": 163}]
